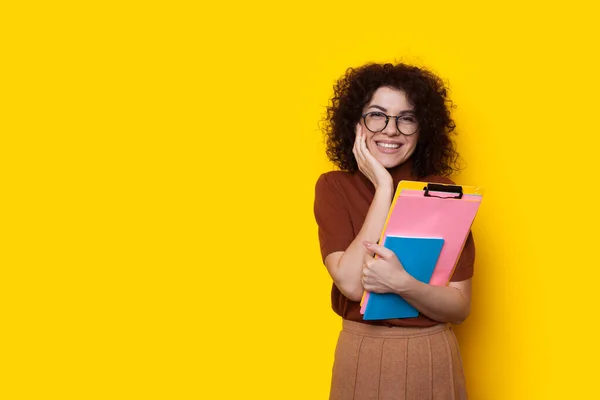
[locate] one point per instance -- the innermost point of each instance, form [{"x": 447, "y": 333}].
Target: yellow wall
[{"x": 159, "y": 162}]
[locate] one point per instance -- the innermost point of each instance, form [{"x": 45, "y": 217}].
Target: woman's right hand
[{"x": 368, "y": 164}]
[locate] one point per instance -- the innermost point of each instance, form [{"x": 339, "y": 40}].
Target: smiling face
[{"x": 389, "y": 146}]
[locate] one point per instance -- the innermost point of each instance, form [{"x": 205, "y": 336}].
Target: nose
[{"x": 391, "y": 129}]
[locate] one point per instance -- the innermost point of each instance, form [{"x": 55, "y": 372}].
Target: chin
[{"x": 391, "y": 163}]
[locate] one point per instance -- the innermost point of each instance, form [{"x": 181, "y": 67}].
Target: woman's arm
[
  {"x": 441, "y": 303},
  {"x": 345, "y": 267}
]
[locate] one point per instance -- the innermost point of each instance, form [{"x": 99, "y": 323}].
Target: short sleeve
[
  {"x": 332, "y": 216},
  {"x": 465, "y": 266}
]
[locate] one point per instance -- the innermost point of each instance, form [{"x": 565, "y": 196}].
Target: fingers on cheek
[{"x": 356, "y": 150}]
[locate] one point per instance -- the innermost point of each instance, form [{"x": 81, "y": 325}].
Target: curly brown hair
[{"x": 435, "y": 153}]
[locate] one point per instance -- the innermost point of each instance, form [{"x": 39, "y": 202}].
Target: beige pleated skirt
[{"x": 396, "y": 363}]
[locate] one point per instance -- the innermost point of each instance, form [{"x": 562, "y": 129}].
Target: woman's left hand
[{"x": 384, "y": 274}]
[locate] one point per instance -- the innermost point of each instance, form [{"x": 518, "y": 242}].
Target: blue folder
[{"x": 419, "y": 257}]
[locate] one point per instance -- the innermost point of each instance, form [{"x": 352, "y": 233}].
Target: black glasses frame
[{"x": 387, "y": 120}]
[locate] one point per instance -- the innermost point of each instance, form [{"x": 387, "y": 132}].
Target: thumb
[{"x": 381, "y": 251}]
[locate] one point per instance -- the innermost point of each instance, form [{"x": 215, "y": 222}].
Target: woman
[{"x": 388, "y": 123}]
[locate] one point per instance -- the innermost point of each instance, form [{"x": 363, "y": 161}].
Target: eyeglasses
[{"x": 376, "y": 121}]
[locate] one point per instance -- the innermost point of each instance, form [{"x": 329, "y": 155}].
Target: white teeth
[{"x": 388, "y": 145}]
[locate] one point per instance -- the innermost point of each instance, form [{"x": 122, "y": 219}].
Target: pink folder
[
  {"x": 450, "y": 219},
  {"x": 415, "y": 215}
]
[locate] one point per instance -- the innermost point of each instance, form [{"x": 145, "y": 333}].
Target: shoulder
[
  {"x": 334, "y": 181},
  {"x": 336, "y": 176}
]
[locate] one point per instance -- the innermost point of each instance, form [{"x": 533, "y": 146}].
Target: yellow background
[{"x": 158, "y": 167}]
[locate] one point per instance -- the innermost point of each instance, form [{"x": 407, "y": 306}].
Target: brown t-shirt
[{"x": 342, "y": 200}]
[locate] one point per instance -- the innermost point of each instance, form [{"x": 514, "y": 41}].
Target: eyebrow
[
  {"x": 385, "y": 110},
  {"x": 379, "y": 107}
]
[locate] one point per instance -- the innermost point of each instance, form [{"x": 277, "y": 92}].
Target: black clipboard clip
[{"x": 438, "y": 187}]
